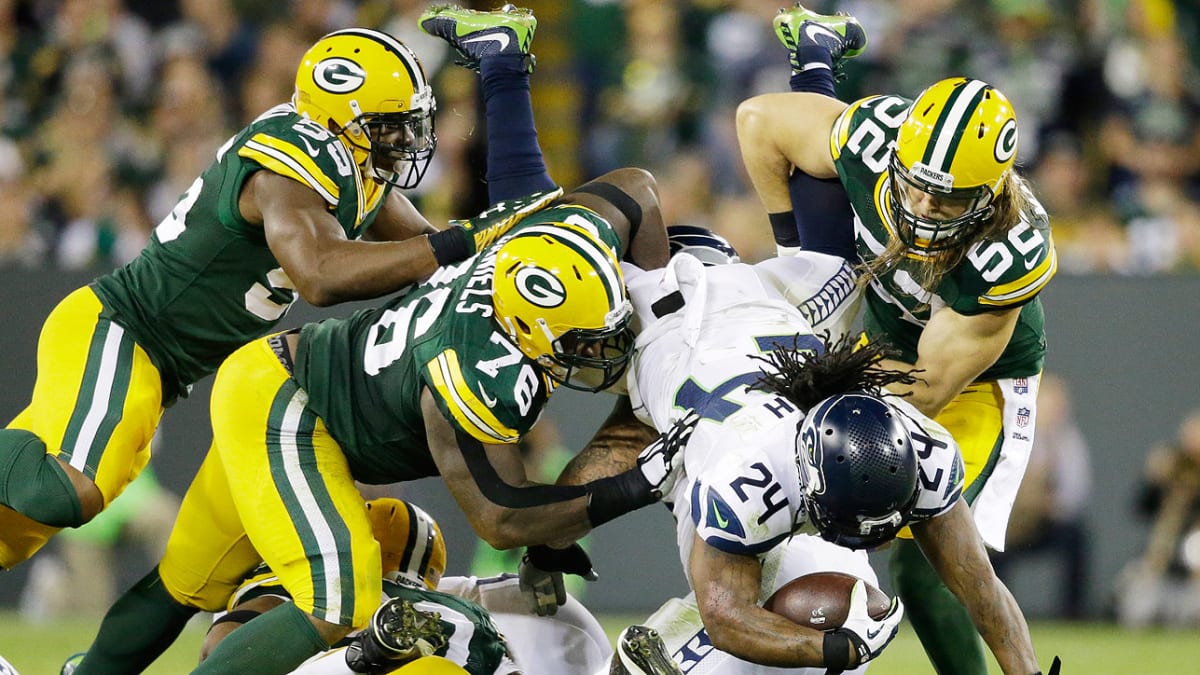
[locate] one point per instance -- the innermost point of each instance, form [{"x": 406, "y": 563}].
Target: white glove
[
  {"x": 869, "y": 636},
  {"x": 662, "y": 461}
]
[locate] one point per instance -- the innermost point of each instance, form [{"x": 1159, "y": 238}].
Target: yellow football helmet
[
  {"x": 369, "y": 88},
  {"x": 559, "y": 294},
  {"x": 957, "y": 146},
  {"x": 410, "y": 542}
]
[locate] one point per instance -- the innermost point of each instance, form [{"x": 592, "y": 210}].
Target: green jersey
[
  {"x": 995, "y": 275},
  {"x": 365, "y": 374},
  {"x": 207, "y": 282}
]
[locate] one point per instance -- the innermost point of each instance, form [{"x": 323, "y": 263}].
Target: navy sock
[
  {"x": 515, "y": 166},
  {"x": 816, "y": 71},
  {"x": 824, "y": 218}
]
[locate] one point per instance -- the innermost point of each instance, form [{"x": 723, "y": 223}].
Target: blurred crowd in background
[{"x": 110, "y": 108}]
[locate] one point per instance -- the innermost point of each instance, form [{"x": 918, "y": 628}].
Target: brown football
[{"x": 822, "y": 599}]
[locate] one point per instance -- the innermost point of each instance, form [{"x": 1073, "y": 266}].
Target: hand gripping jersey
[
  {"x": 207, "y": 283},
  {"x": 740, "y": 489},
  {"x": 995, "y": 274},
  {"x": 364, "y": 375}
]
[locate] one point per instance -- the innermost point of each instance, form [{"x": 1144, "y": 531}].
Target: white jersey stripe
[{"x": 963, "y": 106}]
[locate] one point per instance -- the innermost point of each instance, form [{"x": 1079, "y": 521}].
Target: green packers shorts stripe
[
  {"x": 100, "y": 402},
  {"x": 323, "y": 534}
]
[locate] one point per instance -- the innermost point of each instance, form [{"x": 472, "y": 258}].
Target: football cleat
[
  {"x": 841, "y": 34},
  {"x": 641, "y": 651},
  {"x": 475, "y": 34}
]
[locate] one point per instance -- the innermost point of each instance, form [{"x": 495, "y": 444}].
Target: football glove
[
  {"x": 495, "y": 222},
  {"x": 398, "y": 633},
  {"x": 541, "y": 575},
  {"x": 869, "y": 636},
  {"x": 662, "y": 461}
]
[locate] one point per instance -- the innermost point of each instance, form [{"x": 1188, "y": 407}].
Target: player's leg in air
[
  {"x": 822, "y": 220},
  {"x": 496, "y": 44}
]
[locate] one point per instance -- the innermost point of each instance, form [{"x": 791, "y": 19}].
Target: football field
[{"x": 1091, "y": 648}]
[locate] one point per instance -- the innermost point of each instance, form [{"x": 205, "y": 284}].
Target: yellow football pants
[
  {"x": 275, "y": 486},
  {"x": 96, "y": 403}
]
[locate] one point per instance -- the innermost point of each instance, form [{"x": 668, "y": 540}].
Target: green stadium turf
[{"x": 1091, "y": 648}]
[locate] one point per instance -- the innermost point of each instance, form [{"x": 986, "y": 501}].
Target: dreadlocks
[{"x": 805, "y": 378}]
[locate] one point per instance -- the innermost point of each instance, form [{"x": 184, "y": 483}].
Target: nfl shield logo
[
  {"x": 1022, "y": 417},
  {"x": 1021, "y": 385}
]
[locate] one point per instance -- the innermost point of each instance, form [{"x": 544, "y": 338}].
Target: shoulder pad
[
  {"x": 741, "y": 510},
  {"x": 493, "y": 417},
  {"x": 301, "y": 149}
]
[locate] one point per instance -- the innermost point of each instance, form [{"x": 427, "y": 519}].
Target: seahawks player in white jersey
[{"x": 739, "y": 345}]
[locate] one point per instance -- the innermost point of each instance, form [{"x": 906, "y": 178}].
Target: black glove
[{"x": 541, "y": 577}]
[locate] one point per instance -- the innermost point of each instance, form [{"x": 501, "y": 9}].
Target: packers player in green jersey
[
  {"x": 303, "y": 202},
  {"x": 443, "y": 380},
  {"x": 954, "y": 249}
]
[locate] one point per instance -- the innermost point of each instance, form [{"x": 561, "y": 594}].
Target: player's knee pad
[{"x": 33, "y": 483}]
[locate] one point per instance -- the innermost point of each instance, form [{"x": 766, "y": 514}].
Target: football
[{"x": 822, "y": 599}]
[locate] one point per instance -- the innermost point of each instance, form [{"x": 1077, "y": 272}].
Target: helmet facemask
[
  {"x": 400, "y": 145},
  {"x": 973, "y": 207},
  {"x": 581, "y": 354}
]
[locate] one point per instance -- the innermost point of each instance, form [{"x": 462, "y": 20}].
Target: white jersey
[
  {"x": 571, "y": 642},
  {"x": 703, "y": 333}
]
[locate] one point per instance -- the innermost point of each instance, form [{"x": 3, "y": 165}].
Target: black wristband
[
  {"x": 783, "y": 225},
  {"x": 617, "y": 495},
  {"x": 836, "y": 650},
  {"x": 450, "y": 245},
  {"x": 627, "y": 205}
]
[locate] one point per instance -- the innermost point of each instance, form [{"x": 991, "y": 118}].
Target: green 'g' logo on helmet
[
  {"x": 338, "y": 75},
  {"x": 1006, "y": 141},
  {"x": 540, "y": 287}
]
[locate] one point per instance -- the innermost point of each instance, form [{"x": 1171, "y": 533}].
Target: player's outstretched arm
[
  {"x": 953, "y": 350},
  {"x": 325, "y": 266},
  {"x": 956, "y": 551},
  {"x": 507, "y": 510}
]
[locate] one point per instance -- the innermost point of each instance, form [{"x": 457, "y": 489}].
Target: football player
[
  {"x": 799, "y": 464},
  {"x": 956, "y": 249},
  {"x": 442, "y": 380},
  {"x": 305, "y": 202}
]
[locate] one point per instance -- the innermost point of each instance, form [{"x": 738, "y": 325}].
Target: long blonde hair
[{"x": 1012, "y": 201}]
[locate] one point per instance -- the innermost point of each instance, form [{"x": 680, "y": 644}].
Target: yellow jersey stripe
[
  {"x": 1024, "y": 288},
  {"x": 841, "y": 128},
  {"x": 287, "y": 159},
  {"x": 472, "y": 415}
]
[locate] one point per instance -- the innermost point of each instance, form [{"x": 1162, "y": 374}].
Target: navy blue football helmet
[
  {"x": 708, "y": 246},
  {"x": 858, "y": 470}
]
